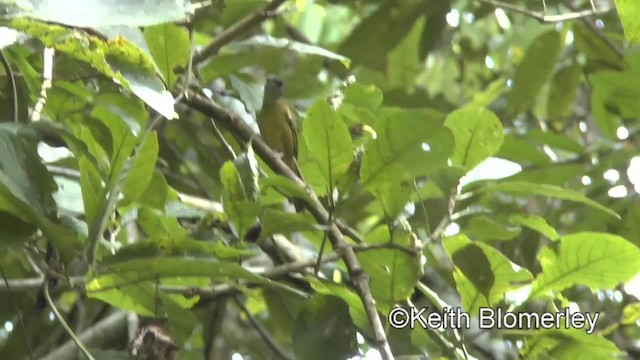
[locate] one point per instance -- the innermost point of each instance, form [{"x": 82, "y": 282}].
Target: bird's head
[{"x": 273, "y": 89}]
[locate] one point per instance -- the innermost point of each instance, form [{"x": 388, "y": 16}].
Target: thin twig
[
  {"x": 47, "y": 82},
  {"x": 12, "y": 82},
  {"x": 542, "y": 17},
  {"x": 63, "y": 322},
  {"x": 271, "y": 343}
]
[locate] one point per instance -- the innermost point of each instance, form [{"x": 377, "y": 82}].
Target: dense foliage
[{"x": 466, "y": 154}]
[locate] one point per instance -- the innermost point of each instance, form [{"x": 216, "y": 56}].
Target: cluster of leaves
[{"x": 151, "y": 216}]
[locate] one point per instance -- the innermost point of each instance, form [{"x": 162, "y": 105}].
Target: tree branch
[
  {"x": 359, "y": 279},
  {"x": 544, "y": 18},
  {"x": 107, "y": 331},
  {"x": 237, "y": 29}
]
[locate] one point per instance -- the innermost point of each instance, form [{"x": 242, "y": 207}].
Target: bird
[{"x": 277, "y": 127}]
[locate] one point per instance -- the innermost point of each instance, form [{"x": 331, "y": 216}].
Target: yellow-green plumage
[
  {"x": 278, "y": 127},
  {"x": 277, "y": 124}
]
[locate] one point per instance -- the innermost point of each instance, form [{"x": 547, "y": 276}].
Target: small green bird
[{"x": 278, "y": 126}]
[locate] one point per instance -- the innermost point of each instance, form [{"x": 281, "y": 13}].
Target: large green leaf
[
  {"x": 527, "y": 188},
  {"x": 483, "y": 275},
  {"x": 567, "y": 345},
  {"x": 328, "y": 141},
  {"x": 629, "y": 11},
  {"x": 596, "y": 260},
  {"x": 324, "y": 330},
  {"x": 534, "y": 71},
  {"x": 141, "y": 172},
  {"x": 116, "y": 58},
  {"x": 394, "y": 273},
  {"x": 563, "y": 92},
  {"x": 95, "y": 13},
  {"x": 169, "y": 45},
  {"x": 26, "y": 189},
  {"x": 238, "y": 200},
  {"x": 477, "y": 133},
  {"x": 407, "y": 144}
]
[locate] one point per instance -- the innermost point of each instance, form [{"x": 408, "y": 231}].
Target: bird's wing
[{"x": 291, "y": 120}]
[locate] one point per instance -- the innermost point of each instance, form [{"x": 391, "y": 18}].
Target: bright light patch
[
  {"x": 599, "y": 24},
  {"x": 617, "y": 296},
  {"x": 453, "y": 18},
  {"x": 619, "y": 191},
  {"x": 372, "y": 354},
  {"x": 468, "y": 17},
  {"x": 633, "y": 171},
  {"x": 502, "y": 18},
  {"x": 568, "y": 39},
  {"x": 236, "y": 356},
  {"x": 451, "y": 229},
  {"x": 633, "y": 286},
  {"x": 426, "y": 147},
  {"x": 491, "y": 169},
  {"x": 583, "y": 126},
  {"x": 359, "y": 338},
  {"x": 488, "y": 62},
  {"x": 8, "y": 325},
  {"x": 509, "y": 83},
  {"x": 611, "y": 175},
  {"x": 586, "y": 181},
  {"x": 622, "y": 133}
]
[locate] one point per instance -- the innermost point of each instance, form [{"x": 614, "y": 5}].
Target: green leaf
[
  {"x": 537, "y": 223},
  {"x": 240, "y": 207},
  {"x": 222, "y": 65},
  {"x": 328, "y": 141},
  {"x": 521, "y": 151},
  {"x": 483, "y": 275},
  {"x": 403, "y": 62},
  {"x": 563, "y": 92},
  {"x": 630, "y": 314},
  {"x": 323, "y": 330},
  {"x": 164, "y": 245},
  {"x": 596, "y": 260},
  {"x": 534, "y": 71},
  {"x": 596, "y": 48},
  {"x": 280, "y": 222},
  {"x": 141, "y": 172},
  {"x": 264, "y": 40},
  {"x": 169, "y": 45},
  {"x": 356, "y": 309},
  {"x": 394, "y": 273},
  {"x": 15, "y": 230},
  {"x": 407, "y": 144},
  {"x": 522, "y": 187},
  {"x": 373, "y": 38},
  {"x": 117, "y": 58},
  {"x": 629, "y": 11},
  {"x": 366, "y": 96},
  {"x": 90, "y": 14},
  {"x": 477, "y": 133},
  {"x": 556, "y": 140},
  {"x": 150, "y": 268},
  {"x": 26, "y": 189},
  {"x": 568, "y": 344},
  {"x": 393, "y": 198},
  {"x": 484, "y": 228}
]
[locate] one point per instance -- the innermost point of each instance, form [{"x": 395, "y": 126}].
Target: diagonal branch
[
  {"x": 544, "y": 18},
  {"x": 359, "y": 279},
  {"x": 237, "y": 29}
]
